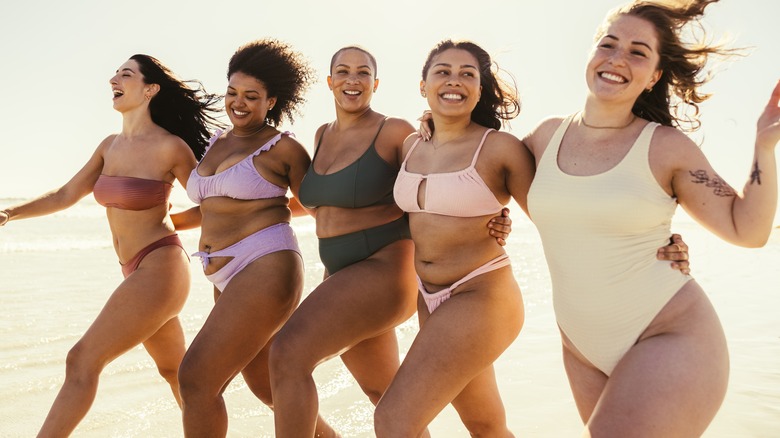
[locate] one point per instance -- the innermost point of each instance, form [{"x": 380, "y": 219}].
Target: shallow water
[{"x": 56, "y": 273}]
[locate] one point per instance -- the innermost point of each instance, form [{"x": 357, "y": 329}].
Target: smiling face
[
  {"x": 247, "y": 101},
  {"x": 129, "y": 88},
  {"x": 624, "y": 61},
  {"x": 352, "y": 80},
  {"x": 452, "y": 83}
]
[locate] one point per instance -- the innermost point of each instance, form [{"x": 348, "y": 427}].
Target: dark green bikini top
[{"x": 366, "y": 182}]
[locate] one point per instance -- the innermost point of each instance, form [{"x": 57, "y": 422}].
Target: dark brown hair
[
  {"x": 498, "y": 101},
  {"x": 674, "y": 100},
  {"x": 183, "y": 108},
  {"x": 284, "y": 72},
  {"x": 359, "y": 49}
]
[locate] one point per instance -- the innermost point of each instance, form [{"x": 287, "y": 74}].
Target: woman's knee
[
  {"x": 191, "y": 382},
  {"x": 262, "y": 392},
  {"x": 82, "y": 365},
  {"x": 374, "y": 394},
  {"x": 284, "y": 357},
  {"x": 486, "y": 427},
  {"x": 390, "y": 425},
  {"x": 169, "y": 372}
]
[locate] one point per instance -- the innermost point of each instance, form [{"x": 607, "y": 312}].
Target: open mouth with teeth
[
  {"x": 613, "y": 77},
  {"x": 452, "y": 97},
  {"x": 118, "y": 93},
  {"x": 240, "y": 113},
  {"x": 352, "y": 92}
]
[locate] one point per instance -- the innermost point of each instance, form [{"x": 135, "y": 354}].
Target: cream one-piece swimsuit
[{"x": 600, "y": 235}]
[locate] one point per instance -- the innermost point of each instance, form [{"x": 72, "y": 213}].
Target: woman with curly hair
[
  {"x": 247, "y": 247},
  {"x": 643, "y": 348},
  {"x": 165, "y": 129}
]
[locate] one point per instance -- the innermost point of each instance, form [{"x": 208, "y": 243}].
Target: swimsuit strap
[
  {"x": 378, "y": 131},
  {"x": 550, "y": 153},
  {"x": 479, "y": 148},
  {"x": 317, "y": 148},
  {"x": 271, "y": 142},
  {"x": 218, "y": 133},
  {"x": 492, "y": 265},
  {"x": 411, "y": 149},
  {"x": 319, "y": 142}
]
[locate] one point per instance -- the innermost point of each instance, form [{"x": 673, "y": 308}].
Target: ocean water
[{"x": 56, "y": 273}]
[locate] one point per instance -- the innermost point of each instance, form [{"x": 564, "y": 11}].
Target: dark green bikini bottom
[{"x": 339, "y": 252}]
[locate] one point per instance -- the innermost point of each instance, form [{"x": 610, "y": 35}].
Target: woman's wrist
[{"x": 6, "y": 219}]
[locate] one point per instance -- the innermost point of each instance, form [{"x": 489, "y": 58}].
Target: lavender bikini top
[{"x": 239, "y": 181}]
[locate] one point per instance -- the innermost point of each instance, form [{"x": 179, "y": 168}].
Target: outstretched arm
[
  {"x": 187, "y": 219},
  {"x": 59, "y": 199},
  {"x": 743, "y": 219}
]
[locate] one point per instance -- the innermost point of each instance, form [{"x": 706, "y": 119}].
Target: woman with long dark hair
[{"x": 165, "y": 128}]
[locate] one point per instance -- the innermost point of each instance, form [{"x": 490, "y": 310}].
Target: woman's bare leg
[
  {"x": 456, "y": 344},
  {"x": 670, "y": 384},
  {"x": 258, "y": 380},
  {"x": 354, "y": 309},
  {"x": 167, "y": 349},
  {"x": 253, "y": 306},
  {"x": 140, "y": 306}
]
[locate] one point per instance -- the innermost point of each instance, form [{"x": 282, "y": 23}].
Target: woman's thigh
[
  {"x": 143, "y": 303},
  {"x": 256, "y": 302},
  {"x": 362, "y": 301},
  {"x": 673, "y": 381},
  {"x": 459, "y": 341}
]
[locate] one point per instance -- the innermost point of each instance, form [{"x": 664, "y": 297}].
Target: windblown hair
[
  {"x": 499, "y": 101},
  {"x": 359, "y": 49},
  {"x": 674, "y": 100},
  {"x": 284, "y": 72},
  {"x": 183, "y": 108}
]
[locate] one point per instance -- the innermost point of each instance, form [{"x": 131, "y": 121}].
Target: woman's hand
[
  {"x": 677, "y": 253},
  {"x": 500, "y": 226},
  {"x": 425, "y": 130},
  {"x": 4, "y": 217},
  {"x": 768, "y": 126}
]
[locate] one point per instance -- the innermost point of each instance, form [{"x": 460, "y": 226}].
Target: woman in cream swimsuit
[{"x": 643, "y": 348}]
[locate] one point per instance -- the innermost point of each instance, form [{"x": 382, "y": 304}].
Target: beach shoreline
[{"x": 58, "y": 271}]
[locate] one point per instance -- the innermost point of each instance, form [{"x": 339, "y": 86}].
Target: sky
[{"x": 57, "y": 58}]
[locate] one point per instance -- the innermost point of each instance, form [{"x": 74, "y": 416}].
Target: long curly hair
[
  {"x": 183, "y": 108},
  {"x": 499, "y": 101},
  {"x": 684, "y": 51},
  {"x": 285, "y": 73}
]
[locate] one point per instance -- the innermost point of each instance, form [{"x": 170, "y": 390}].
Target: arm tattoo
[
  {"x": 755, "y": 176},
  {"x": 721, "y": 187}
]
